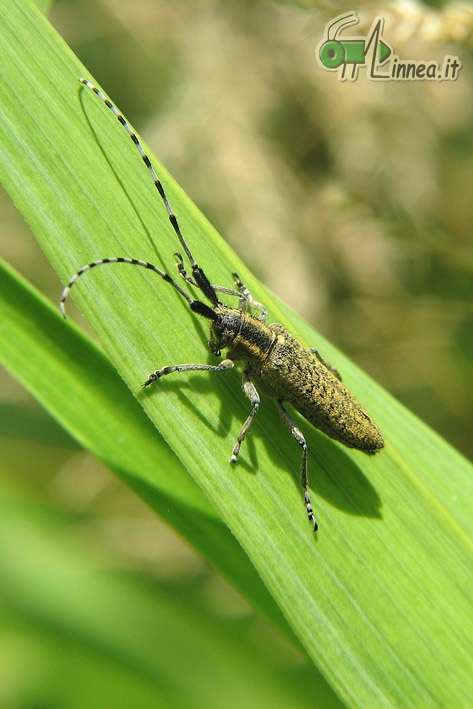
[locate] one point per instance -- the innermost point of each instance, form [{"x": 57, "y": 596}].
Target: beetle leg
[
  {"x": 248, "y": 298},
  {"x": 299, "y": 438},
  {"x": 250, "y": 391},
  {"x": 326, "y": 364},
  {"x": 217, "y": 289},
  {"x": 222, "y": 367}
]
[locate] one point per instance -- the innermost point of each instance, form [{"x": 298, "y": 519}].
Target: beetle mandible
[{"x": 274, "y": 362}]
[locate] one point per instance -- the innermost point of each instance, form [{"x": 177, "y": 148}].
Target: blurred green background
[{"x": 350, "y": 200}]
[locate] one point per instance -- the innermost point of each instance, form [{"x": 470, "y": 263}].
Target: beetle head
[{"x": 224, "y": 328}]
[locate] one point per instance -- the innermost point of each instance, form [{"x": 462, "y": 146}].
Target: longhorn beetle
[{"x": 274, "y": 361}]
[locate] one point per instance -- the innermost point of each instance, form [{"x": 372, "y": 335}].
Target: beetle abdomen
[
  {"x": 336, "y": 412},
  {"x": 292, "y": 373}
]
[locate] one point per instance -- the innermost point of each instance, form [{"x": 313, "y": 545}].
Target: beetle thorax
[{"x": 244, "y": 336}]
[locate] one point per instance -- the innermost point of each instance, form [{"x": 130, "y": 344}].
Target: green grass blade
[
  {"x": 77, "y": 384},
  {"x": 381, "y": 597}
]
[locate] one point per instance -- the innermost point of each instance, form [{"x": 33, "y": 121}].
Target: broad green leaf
[{"x": 380, "y": 598}]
